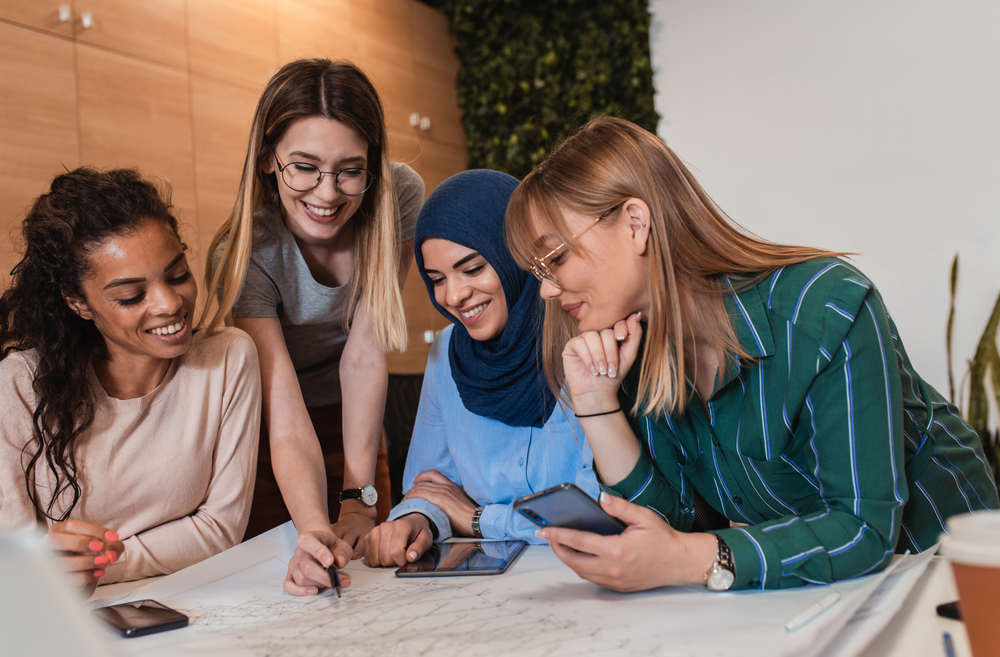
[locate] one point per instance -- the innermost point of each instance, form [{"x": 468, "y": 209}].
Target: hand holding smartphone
[
  {"x": 133, "y": 619},
  {"x": 566, "y": 505}
]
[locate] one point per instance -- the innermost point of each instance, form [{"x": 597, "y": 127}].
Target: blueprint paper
[
  {"x": 880, "y": 608},
  {"x": 539, "y": 607}
]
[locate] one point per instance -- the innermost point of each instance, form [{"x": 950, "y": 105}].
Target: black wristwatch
[
  {"x": 722, "y": 576},
  {"x": 367, "y": 495}
]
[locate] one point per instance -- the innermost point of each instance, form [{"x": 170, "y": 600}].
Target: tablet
[{"x": 465, "y": 558}]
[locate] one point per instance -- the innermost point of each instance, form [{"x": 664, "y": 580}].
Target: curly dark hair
[{"x": 82, "y": 209}]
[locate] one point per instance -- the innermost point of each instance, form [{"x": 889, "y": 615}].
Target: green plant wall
[{"x": 533, "y": 71}]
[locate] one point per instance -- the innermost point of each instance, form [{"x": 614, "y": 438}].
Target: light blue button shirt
[{"x": 493, "y": 462}]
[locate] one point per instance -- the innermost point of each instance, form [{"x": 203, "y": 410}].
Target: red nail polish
[
  {"x": 99, "y": 573},
  {"x": 110, "y": 536},
  {"x": 112, "y": 555},
  {"x": 102, "y": 560},
  {"x": 96, "y": 545}
]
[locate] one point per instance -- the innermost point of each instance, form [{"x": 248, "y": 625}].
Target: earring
[{"x": 636, "y": 219}]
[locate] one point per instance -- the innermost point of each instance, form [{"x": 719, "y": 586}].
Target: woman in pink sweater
[{"x": 129, "y": 437}]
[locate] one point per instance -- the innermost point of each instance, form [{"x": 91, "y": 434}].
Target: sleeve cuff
[
  {"x": 643, "y": 486},
  {"x": 440, "y": 525},
  {"x": 754, "y": 570}
]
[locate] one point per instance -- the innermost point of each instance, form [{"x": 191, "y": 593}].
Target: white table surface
[{"x": 916, "y": 631}]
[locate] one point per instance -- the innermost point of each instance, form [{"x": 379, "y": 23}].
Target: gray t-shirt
[{"x": 279, "y": 284}]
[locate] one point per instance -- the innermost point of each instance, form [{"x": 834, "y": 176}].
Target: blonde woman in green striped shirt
[{"x": 720, "y": 377}]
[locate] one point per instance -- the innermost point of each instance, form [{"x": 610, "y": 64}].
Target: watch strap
[{"x": 477, "y": 531}]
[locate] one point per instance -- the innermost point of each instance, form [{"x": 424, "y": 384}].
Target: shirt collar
[{"x": 748, "y": 312}]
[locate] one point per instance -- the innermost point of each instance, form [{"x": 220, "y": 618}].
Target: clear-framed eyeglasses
[
  {"x": 540, "y": 265},
  {"x": 303, "y": 177}
]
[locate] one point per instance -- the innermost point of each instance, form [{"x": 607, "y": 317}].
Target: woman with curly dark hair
[{"x": 133, "y": 439}]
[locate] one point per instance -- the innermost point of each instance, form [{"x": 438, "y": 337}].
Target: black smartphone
[
  {"x": 133, "y": 619},
  {"x": 464, "y": 558},
  {"x": 566, "y": 505}
]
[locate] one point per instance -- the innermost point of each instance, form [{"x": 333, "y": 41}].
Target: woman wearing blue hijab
[{"x": 488, "y": 430}]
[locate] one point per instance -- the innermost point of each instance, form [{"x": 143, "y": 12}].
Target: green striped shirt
[{"x": 827, "y": 444}]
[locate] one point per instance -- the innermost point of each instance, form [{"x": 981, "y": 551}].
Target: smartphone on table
[
  {"x": 566, "y": 505},
  {"x": 139, "y": 618}
]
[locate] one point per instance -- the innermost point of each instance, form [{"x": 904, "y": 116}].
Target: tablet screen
[{"x": 465, "y": 558}]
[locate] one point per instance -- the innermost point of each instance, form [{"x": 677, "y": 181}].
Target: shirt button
[
  {"x": 520, "y": 462},
  {"x": 738, "y": 500}
]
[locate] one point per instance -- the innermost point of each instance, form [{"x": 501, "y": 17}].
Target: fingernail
[
  {"x": 593, "y": 370},
  {"x": 99, "y": 573},
  {"x": 96, "y": 546},
  {"x": 639, "y": 317},
  {"x": 541, "y": 533},
  {"x": 110, "y": 536},
  {"x": 327, "y": 562},
  {"x": 413, "y": 555},
  {"x": 612, "y": 370},
  {"x": 602, "y": 366},
  {"x": 603, "y": 497},
  {"x": 620, "y": 337},
  {"x": 112, "y": 555},
  {"x": 102, "y": 560}
]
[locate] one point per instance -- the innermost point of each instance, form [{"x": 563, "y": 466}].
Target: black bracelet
[{"x": 600, "y": 414}]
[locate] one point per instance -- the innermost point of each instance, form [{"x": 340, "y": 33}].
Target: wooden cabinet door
[
  {"x": 40, "y": 14},
  {"x": 233, "y": 40},
  {"x": 38, "y": 127},
  {"x": 148, "y": 29}
]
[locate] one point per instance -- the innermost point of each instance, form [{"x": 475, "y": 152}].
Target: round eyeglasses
[
  {"x": 540, "y": 266},
  {"x": 303, "y": 177}
]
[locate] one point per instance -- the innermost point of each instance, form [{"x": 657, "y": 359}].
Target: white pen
[{"x": 812, "y": 611}]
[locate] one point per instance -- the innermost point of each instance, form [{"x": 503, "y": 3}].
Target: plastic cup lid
[{"x": 973, "y": 539}]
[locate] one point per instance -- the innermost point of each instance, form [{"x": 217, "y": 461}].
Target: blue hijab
[{"x": 501, "y": 379}]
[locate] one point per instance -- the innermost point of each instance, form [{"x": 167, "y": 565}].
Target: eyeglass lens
[{"x": 303, "y": 177}]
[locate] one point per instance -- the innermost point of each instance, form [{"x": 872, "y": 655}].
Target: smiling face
[
  {"x": 140, "y": 294},
  {"x": 317, "y": 216},
  {"x": 466, "y": 286},
  {"x": 604, "y": 279}
]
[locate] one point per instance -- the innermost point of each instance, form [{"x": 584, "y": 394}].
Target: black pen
[{"x": 331, "y": 571}]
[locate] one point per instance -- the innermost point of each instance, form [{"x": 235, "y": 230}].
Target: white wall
[{"x": 857, "y": 125}]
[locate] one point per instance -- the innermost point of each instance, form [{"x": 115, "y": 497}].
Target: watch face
[
  {"x": 369, "y": 496},
  {"x": 721, "y": 580}
]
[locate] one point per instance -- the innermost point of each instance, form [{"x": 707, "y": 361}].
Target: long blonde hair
[
  {"x": 339, "y": 91},
  {"x": 691, "y": 244}
]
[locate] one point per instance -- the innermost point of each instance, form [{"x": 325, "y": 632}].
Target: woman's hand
[
  {"x": 353, "y": 526},
  {"x": 397, "y": 542},
  {"x": 85, "y": 550},
  {"x": 596, "y": 361},
  {"x": 314, "y": 552},
  {"x": 647, "y": 555},
  {"x": 447, "y": 496}
]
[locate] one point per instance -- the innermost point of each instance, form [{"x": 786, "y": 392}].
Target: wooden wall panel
[
  {"x": 385, "y": 51},
  {"x": 436, "y": 71},
  {"x": 135, "y": 113},
  {"x": 38, "y": 128},
  {"x": 41, "y": 14},
  {"x": 245, "y": 56},
  {"x": 148, "y": 29},
  {"x": 221, "y": 116},
  {"x": 316, "y": 28}
]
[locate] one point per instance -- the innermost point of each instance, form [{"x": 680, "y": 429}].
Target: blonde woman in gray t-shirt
[{"x": 310, "y": 264}]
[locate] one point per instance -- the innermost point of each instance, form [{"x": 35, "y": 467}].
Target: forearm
[
  {"x": 364, "y": 376},
  {"x": 616, "y": 449},
  {"x": 299, "y": 469}
]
